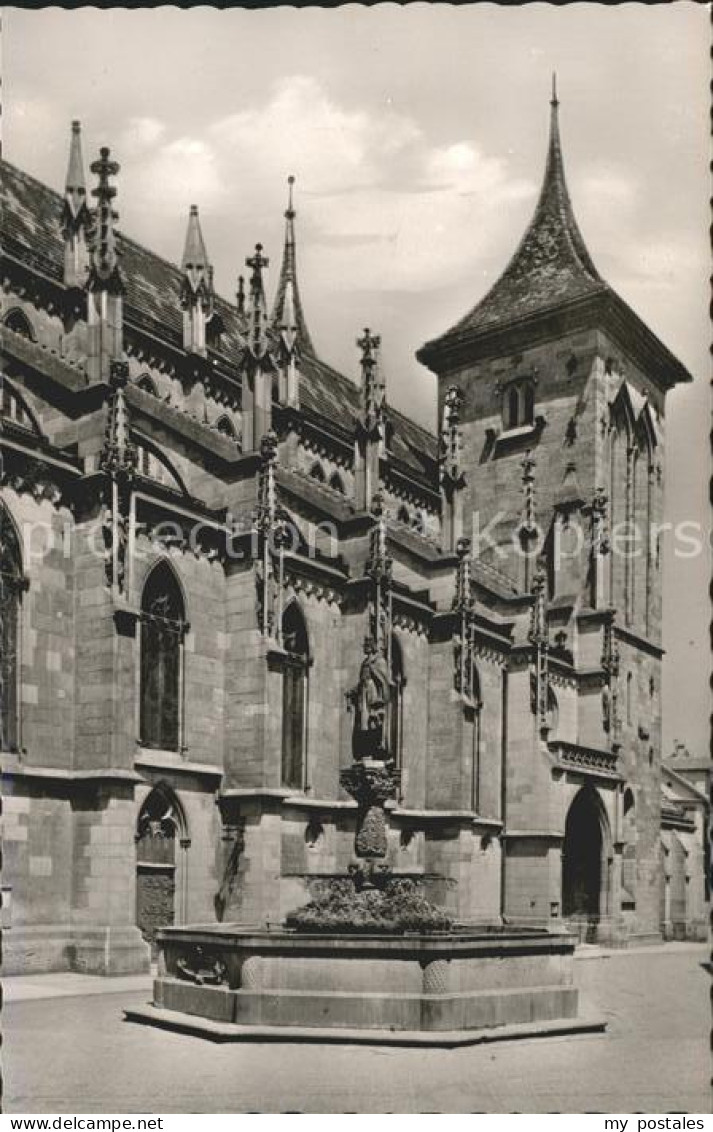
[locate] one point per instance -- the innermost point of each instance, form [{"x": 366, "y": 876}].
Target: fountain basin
[{"x": 224, "y": 981}]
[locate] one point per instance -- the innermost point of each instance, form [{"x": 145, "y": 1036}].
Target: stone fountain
[{"x": 368, "y": 958}]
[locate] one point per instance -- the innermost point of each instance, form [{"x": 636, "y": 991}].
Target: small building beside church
[{"x": 207, "y": 534}]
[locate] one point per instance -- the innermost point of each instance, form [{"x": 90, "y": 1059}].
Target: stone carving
[
  {"x": 539, "y": 638},
  {"x": 201, "y": 968},
  {"x": 371, "y": 784}
]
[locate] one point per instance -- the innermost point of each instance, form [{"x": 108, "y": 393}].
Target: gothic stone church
[{"x": 208, "y": 533}]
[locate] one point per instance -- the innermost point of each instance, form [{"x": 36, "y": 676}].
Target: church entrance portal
[
  {"x": 584, "y": 865},
  {"x": 157, "y": 834}
]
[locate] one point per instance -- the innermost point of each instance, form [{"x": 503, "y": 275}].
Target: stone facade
[{"x": 201, "y": 524}]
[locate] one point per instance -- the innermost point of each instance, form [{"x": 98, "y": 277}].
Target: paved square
[{"x": 76, "y": 1054}]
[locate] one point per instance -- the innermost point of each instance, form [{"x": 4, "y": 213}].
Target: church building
[{"x": 208, "y": 536}]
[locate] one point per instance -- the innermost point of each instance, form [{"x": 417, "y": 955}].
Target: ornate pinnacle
[
  {"x": 600, "y": 534},
  {"x": 528, "y": 483},
  {"x": 75, "y": 192},
  {"x": 379, "y": 564},
  {"x": 372, "y": 388},
  {"x": 267, "y": 497},
  {"x": 197, "y": 272},
  {"x": 450, "y": 450},
  {"x": 257, "y": 338},
  {"x": 118, "y": 452},
  {"x": 538, "y": 619},
  {"x": 240, "y": 295},
  {"x": 257, "y": 262},
  {"x": 105, "y": 259},
  {"x": 290, "y": 212},
  {"x": 463, "y": 599}
]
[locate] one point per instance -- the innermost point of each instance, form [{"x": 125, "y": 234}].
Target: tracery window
[
  {"x": 295, "y": 689},
  {"x": 163, "y": 629},
  {"x": 11, "y": 586}
]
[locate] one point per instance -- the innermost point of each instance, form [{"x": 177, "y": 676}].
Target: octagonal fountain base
[{"x": 229, "y": 983}]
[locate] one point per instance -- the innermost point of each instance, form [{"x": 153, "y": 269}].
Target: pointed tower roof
[
  {"x": 551, "y": 264},
  {"x": 195, "y": 263},
  {"x": 287, "y": 312},
  {"x": 552, "y": 272}
]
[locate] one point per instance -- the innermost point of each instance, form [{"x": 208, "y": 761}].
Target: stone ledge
[{"x": 448, "y": 1039}]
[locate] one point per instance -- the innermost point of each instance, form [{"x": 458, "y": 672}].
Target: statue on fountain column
[{"x": 372, "y": 698}]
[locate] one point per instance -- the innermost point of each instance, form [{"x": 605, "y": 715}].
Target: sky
[{"x": 417, "y": 137}]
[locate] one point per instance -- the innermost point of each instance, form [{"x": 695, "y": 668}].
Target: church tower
[{"x": 562, "y": 423}]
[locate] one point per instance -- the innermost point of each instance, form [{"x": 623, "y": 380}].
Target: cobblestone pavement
[{"x": 78, "y": 1055}]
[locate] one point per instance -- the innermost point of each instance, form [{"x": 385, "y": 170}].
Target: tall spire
[
  {"x": 258, "y": 366},
  {"x": 287, "y": 314},
  {"x": 551, "y": 265},
  {"x": 196, "y": 287},
  {"x": 75, "y": 215}
]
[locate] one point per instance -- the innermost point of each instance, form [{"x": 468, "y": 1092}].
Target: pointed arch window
[
  {"x": 317, "y": 472},
  {"x": 295, "y": 689},
  {"x": 163, "y": 630},
  {"x": 336, "y": 483},
  {"x": 404, "y": 515},
  {"x": 11, "y": 587}
]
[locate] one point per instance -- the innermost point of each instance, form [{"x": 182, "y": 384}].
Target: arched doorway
[
  {"x": 160, "y": 843},
  {"x": 584, "y": 864}
]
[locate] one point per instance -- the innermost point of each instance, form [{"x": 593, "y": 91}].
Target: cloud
[
  {"x": 141, "y": 133},
  {"x": 303, "y": 130},
  {"x": 380, "y": 207}
]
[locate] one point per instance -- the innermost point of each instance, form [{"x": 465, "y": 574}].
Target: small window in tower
[{"x": 519, "y": 404}]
